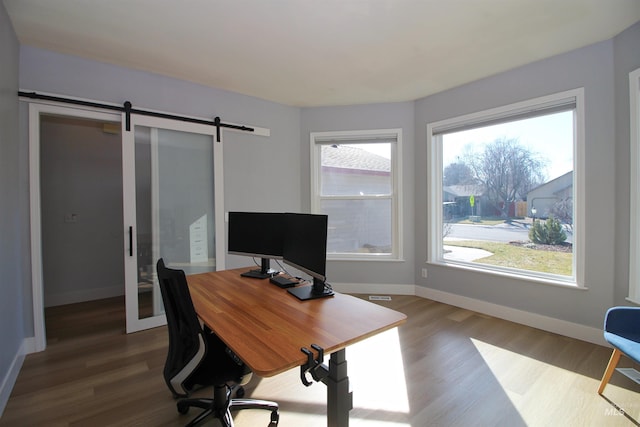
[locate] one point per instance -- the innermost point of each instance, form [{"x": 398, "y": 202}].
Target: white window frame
[
  {"x": 317, "y": 140},
  {"x": 435, "y": 254},
  {"x": 634, "y": 200}
]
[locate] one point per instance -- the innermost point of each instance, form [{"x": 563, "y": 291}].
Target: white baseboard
[
  {"x": 29, "y": 346},
  {"x": 10, "y": 378},
  {"x": 374, "y": 288},
  {"x": 52, "y": 300},
  {"x": 550, "y": 324},
  {"x": 546, "y": 323}
]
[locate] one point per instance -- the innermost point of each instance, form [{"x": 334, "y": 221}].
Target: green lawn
[
  {"x": 483, "y": 221},
  {"x": 507, "y": 255}
]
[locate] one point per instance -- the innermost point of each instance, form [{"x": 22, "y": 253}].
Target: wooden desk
[{"x": 266, "y": 327}]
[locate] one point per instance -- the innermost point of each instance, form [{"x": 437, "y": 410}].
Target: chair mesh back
[{"x": 185, "y": 332}]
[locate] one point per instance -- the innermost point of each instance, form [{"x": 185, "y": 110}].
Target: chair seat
[{"x": 629, "y": 347}]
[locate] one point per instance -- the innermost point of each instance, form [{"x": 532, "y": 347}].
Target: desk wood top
[{"x": 266, "y": 326}]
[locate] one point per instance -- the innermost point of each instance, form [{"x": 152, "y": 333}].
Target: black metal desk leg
[{"x": 339, "y": 398}]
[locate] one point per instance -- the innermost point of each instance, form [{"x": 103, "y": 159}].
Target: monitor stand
[
  {"x": 255, "y": 274},
  {"x": 264, "y": 272},
  {"x": 317, "y": 290}
]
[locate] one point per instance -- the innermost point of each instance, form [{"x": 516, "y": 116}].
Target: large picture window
[
  {"x": 505, "y": 190},
  {"x": 355, "y": 182}
]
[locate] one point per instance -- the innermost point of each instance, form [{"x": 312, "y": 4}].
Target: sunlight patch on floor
[
  {"x": 522, "y": 377},
  {"x": 376, "y": 373},
  {"x": 287, "y": 419}
]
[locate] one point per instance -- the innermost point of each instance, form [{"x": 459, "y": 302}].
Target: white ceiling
[{"x": 320, "y": 52}]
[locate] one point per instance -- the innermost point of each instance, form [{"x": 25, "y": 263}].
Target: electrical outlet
[{"x": 424, "y": 273}]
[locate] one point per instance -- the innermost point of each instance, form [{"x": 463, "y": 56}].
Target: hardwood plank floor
[{"x": 445, "y": 367}]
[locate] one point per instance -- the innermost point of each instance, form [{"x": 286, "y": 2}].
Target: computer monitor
[
  {"x": 259, "y": 235},
  {"x": 305, "y": 248}
]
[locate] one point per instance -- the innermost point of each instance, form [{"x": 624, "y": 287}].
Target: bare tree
[{"x": 507, "y": 170}]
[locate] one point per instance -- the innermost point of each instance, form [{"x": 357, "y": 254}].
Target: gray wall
[
  {"x": 13, "y": 195},
  {"x": 593, "y": 68},
  {"x": 257, "y": 170},
  {"x": 365, "y": 117}
]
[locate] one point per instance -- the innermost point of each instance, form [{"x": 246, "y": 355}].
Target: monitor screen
[
  {"x": 257, "y": 234},
  {"x": 305, "y": 244}
]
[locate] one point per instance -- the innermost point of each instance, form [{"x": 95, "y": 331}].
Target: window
[
  {"x": 355, "y": 182},
  {"x": 634, "y": 214},
  {"x": 505, "y": 190}
]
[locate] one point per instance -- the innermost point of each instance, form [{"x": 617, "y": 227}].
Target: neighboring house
[
  {"x": 545, "y": 196},
  {"x": 348, "y": 170},
  {"x": 456, "y": 200},
  {"x": 352, "y": 171}
]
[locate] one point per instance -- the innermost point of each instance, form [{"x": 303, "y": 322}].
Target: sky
[{"x": 550, "y": 136}]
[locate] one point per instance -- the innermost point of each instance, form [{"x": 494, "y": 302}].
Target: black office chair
[{"x": 197, "y": 357}]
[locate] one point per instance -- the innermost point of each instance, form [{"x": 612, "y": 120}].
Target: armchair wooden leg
[{"x": 613, "y": 362}]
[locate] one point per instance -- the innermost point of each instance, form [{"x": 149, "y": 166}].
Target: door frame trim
[{"x": 37, "y": 280}]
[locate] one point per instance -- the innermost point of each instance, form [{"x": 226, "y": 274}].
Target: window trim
[
  {"x": 491, "y": 116},
  {"x": 634, "y": 187},
  {"x": 318, "y": 139}
]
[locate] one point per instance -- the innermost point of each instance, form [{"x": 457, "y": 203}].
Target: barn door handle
[{"x": 130, "y": 241}]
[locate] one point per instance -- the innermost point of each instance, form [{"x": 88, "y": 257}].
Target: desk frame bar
[{"x": 339, "y": 398}]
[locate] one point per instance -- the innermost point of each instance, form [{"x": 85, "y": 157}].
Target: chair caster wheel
[
  {"x": 240, "y": 392},
  {"x": 182, "y": 408}
]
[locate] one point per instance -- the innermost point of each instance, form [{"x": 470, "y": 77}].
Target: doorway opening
[{"x": 81, "y": 212}]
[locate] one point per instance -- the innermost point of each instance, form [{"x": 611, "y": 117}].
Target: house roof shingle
[{"x": 349, "y": 157}]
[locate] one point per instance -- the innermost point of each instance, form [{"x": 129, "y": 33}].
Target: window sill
[
  {"x": 549, "y": 281},
  {"x": 363, "y": 258}
]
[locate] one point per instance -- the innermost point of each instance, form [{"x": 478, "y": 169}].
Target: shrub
[{"x": 549, "y": 232}]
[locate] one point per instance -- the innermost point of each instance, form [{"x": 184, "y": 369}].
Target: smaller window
[{"x": 354, "y": 180}]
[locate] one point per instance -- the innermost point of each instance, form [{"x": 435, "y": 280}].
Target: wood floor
[{"x": 445, "y": 367}]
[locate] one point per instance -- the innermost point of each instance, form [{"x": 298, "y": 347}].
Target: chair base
[{"x": 221, "y": 405}]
